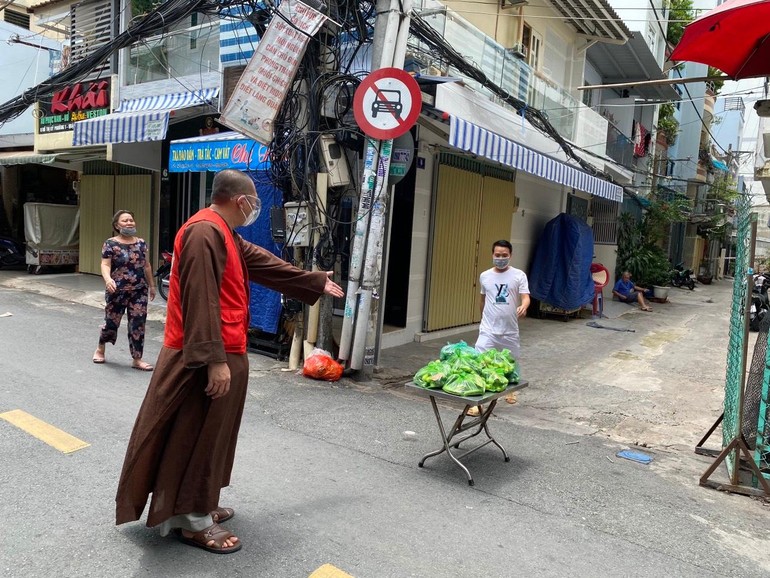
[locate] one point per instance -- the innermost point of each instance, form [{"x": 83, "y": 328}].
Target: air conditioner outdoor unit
[{"x": 518, "y": 50}]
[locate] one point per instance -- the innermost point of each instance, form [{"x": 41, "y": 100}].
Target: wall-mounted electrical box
[
  {"x": 298, "y": 233},
  {"x": 278, "y": 224},
  {"x": 335, "y": 161}
]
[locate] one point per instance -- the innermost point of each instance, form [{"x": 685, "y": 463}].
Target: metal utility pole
[{"x": 357, "y": 344}]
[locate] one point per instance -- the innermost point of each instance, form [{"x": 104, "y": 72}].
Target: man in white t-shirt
[{"x": 504, "y": 298}]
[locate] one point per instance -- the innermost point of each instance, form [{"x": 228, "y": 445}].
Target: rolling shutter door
[{"x": 95, "y": 220}]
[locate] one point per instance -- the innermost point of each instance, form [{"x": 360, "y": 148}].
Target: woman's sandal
[
  {"x": 98, "y": 356},
  {"x": 142, "y": 366},
  {"x": 222, "y": 515},
  {"x": 214, "y": 533}
]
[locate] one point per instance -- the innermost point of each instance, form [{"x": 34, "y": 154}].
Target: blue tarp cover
[
  {"x": 265, "y": 304},
  {"x": 561, "y": 270}
]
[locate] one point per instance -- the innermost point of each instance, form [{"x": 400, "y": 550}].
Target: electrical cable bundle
[{"x": 153, "y": 23}]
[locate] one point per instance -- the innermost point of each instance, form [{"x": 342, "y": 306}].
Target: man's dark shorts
[{"x": 632, "y": 296}]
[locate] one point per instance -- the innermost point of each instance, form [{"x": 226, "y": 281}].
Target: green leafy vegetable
[{"x": 465, "y": 384}]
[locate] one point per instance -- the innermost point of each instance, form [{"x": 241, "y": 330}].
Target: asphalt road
[{"x": 323, "y": 475}]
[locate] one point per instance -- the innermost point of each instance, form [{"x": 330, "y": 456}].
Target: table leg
[
  {"x": 446, "y": 440},
  {"x": 489, "y": 435}
]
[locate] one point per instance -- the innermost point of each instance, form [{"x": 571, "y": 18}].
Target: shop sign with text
[
  {"x": 241, "y": 154},
  {"x": 90, "y": 99}
]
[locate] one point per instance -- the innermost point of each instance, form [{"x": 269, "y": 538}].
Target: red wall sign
[
  {"x": 81, "y": 96},
  {"x": 77, "y": 102}
]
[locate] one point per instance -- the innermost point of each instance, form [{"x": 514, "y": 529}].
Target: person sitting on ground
[{"x": 628, "y": 292}]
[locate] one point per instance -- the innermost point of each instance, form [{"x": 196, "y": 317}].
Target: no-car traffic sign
[{"x": 387, "y": 103}]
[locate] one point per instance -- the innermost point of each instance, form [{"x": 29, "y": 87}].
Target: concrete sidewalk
[{"x": 71, "y": 287}]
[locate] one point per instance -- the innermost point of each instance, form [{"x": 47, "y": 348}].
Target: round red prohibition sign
[{"x": 387, "y": 103}]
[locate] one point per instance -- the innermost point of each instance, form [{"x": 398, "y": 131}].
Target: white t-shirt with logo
[{"x": 499, "y": 327}]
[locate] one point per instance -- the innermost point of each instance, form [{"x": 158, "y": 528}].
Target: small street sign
[{"x": 387, "y": 103}]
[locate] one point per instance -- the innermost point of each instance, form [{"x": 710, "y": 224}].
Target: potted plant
[{"x": 661, "y": 281}]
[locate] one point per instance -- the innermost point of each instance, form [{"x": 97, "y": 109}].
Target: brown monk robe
[{"x": 183, "y": 443}]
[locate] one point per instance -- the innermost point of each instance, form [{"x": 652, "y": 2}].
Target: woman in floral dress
[{"x": 128, "y": 279}]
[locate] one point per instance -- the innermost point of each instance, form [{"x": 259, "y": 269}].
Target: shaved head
[{"x": 229, "y": 184}]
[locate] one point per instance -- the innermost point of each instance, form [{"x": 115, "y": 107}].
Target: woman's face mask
[{"x": 128, "y": 231}]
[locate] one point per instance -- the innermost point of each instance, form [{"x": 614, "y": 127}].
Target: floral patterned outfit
[{"x": 127, "y": 270}]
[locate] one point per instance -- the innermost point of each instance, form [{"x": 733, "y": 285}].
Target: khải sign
[
  {"x": 73, "y": 103},
  {"x": 263, "y": 86},
  {"x": 241, "y": 154}
]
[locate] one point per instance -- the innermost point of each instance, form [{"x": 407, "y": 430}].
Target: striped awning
[
  {"x": 25, "y": 158},
  {"x": 139, "y": 120},
  {"x": 474, "y": 139}
]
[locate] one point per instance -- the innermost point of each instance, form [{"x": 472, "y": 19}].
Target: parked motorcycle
[
  {"x": 760, "y": 305},
  {"x": 682, "y": 277},
  {"x": 163, "y": 274},
  {"x": 12, "y": 254}
]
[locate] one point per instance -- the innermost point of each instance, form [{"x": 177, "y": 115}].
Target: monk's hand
[
  {"x": 219, "y": 380},
  {"x": 331, "y": 288}
]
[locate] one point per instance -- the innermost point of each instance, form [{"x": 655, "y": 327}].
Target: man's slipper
[
  {"x": 215, "y": 533},
  {"x": 222, "y": 515},
  {"x": 475, "y": 411}
]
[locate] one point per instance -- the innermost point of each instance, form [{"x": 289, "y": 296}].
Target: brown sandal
[
  {"x": 142, "y": 366},
  {"x": 222, "y": 515},
  {"x": 214, "y": 533}
]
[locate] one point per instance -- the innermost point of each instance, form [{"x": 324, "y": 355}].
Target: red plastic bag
[{"x": 320, "y": 365}]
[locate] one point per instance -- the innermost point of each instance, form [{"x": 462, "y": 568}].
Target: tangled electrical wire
[{"x": 153, "y": 23}]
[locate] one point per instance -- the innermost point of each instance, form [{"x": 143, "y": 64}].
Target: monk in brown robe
[{"x": 183, "y": 444}]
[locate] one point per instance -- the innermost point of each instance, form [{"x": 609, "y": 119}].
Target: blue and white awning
[
  {"x": 139, "y": 120},
  {"x": 477, "y": 140}
]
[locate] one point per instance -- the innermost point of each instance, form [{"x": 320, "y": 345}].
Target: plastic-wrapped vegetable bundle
[
  {"x": 464, "y": 363},
  {"x": 494, "y": 380},
  {"x": 465, "y": 384},
  {"x": 433, "y": 375},
  {"x": 451, "y": 349},
  {"x": 501, "y": 361}
]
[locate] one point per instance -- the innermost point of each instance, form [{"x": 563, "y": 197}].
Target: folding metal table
[{"x": 488, "y": 401}]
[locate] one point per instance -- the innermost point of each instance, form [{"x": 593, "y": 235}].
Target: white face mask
[
  {"x": 251, "y": 217},
  {"x": 501, "y": 263}
]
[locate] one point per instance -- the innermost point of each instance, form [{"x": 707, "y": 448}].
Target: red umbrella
[{"x": 733, "y": 37}]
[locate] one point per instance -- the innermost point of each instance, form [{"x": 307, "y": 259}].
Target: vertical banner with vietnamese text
[{"x": 262, "y": 88}]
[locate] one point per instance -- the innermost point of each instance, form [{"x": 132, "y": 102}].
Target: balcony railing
[
  {"x": 620, "y": 148},
  {"x": 571, "y": 118}
]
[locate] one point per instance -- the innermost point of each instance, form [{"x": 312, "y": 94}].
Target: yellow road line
[
  {"x": 329, "y": 571},
  {"x": 43, "y": 431}
]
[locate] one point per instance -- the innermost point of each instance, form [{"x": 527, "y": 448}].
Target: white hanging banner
[{"x": 262, "y": 88}]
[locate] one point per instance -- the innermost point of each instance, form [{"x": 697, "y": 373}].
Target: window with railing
[
  {"x": 91, "y": 27},
  {"x": 190, "y": 47},
  {"x": 16, "y": 18},
  {"x": 605, "y": 221}
]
